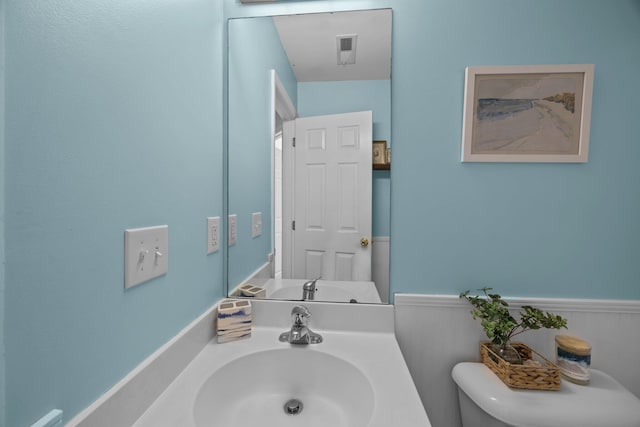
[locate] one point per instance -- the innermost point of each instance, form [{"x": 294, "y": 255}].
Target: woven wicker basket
[{"x": 546, "y": 377}]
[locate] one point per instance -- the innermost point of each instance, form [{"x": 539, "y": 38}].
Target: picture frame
[
  {"x": 379, "y": 153},
  {"x": 529, "y": 113}
]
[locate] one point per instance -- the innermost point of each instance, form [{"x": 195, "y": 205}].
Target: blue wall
[
  {"x": 557, "y": 230},
  {"x": 105, "y": 97},
  {"x": 320, "y": 98},
  {"x": 2, "y": 242},
  {"x": 553, "y": 230},
  {"x": 255, "y": 50},
  {"x": 113, "y": 121}
]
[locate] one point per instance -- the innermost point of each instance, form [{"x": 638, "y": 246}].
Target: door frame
[
  {"x": 288, "y": 188},
  {"x": 281, "y": 105}
]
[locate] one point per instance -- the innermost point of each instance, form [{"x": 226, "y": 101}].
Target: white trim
[
  {"x": 564, "y": 304},
  {"x": 127, "y": 400},
  {"x": 288, "y": 174},
  {"x": 380, "y": 251},
  {"x": 282, "y": 103},
  {"x": 282, "y": 106},
  {"x": 52, "y": 419}
]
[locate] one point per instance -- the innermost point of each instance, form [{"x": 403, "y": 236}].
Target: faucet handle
[
  {"x": 311, "y": 284},
  {"x": 300, "y": 315}
]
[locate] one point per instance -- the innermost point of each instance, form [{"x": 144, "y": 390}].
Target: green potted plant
[{"x": 500, "y": 326}]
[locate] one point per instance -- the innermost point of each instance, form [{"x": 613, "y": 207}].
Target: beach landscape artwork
[{"x": 527, "y": 113}]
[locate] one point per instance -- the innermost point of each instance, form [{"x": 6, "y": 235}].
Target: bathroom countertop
[
  {"x": 377, "y": 355},
  {"x": 361, "y": 291}
]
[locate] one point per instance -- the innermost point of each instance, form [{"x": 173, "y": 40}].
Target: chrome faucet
[
  {"x": 309, "y": 290},
  {"x": 300, "y": 332}
]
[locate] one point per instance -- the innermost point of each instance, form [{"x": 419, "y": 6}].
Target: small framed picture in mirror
[{"x": 380, "y": 153}]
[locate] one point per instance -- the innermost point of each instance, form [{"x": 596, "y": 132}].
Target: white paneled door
[{"x": 332, "y": 197}]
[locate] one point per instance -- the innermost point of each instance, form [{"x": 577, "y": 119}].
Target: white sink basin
[
  {"x": 253, "y": 389},
  {"x": 356, "y": 377}
]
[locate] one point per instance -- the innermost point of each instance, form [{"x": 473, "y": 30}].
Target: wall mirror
[{"x": 307, "y": 96}]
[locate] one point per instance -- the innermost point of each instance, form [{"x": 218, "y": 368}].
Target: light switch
[
  {"x": 233, "y": 229},
  {"x": 213, "y": 234},
  {"x": 146, "y": 254},
  {"x": 256, "y": 224}
]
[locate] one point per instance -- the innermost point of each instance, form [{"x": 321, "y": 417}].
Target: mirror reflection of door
[
  {"x": 331, "y": 198},
  {"x": 308, "y": 54}
]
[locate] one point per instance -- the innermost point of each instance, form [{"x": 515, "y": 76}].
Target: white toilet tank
[
  {"x": 473, "y": 416},
  {"x": 485, "y": 401}
]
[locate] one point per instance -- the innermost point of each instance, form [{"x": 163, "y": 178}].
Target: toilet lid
[{"x": 604, "y": 402}]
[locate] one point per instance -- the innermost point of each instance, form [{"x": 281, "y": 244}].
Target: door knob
[{"x": 364, "y": 242}]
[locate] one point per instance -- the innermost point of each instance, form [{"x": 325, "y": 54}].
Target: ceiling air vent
[{"x": 347, "y": 49}]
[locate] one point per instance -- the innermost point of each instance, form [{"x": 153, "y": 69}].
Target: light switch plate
[
  {"x": 233, "y": 229},
  {"x": 256, "y": 224},
  {"x": 146, "y": 254},
  {"x": 213, "y": 234}
]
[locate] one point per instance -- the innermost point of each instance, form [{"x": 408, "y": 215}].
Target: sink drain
[{"x": 293, "y": 407}]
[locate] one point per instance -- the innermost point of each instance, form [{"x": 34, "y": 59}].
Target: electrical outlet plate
[
  {"x": 256, "y": 224},
  {"x": 213, "y": 234},
  {"x": 146, "y": 254},
  {"x": 233, "y": 229}
]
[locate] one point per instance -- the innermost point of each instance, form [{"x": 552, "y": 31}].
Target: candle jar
[{"x": 573, "y": 357}]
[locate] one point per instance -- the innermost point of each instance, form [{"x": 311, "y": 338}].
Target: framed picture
[
  {"x": 380, "y": 152},
  {"x": 536, "y": 113}
]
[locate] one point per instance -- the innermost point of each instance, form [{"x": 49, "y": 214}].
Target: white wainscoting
[
  {"x": 380, "y": 265},
  {"x": 437, "y": 331}
]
